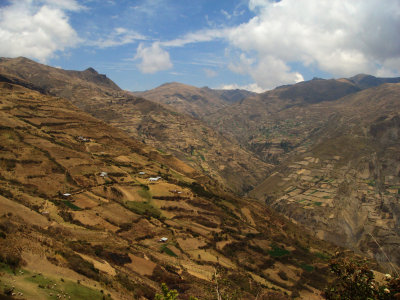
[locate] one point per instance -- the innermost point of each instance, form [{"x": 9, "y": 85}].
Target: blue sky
[{"x": 252, "y": 44}]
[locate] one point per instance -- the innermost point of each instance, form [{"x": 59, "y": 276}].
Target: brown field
[{"x": 141, "y": 265}]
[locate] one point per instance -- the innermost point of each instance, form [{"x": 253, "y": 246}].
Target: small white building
[
  {"x": 83, "y": 139},
  {"x": 103, "y": 174},
  {"x": 142, "y": 173},
  {"x": 163, "y": 240},
  {"x": 66, "y": 195},
  {"x": 154, "y": 178}
]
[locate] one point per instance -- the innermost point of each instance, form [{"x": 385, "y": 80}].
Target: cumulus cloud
[
  {"x": 339, "y": 37},
  {"x": 36, "y": 29},
  {"x": 267, "y": 71},
  {"x": 153, "y": 58},
  {"x": 342, "y": 38}
]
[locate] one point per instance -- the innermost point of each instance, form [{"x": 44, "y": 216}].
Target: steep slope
[
  {"x": 344, "y": 181},
  {"x": 79, "y": 213},
  {"x": 186, "y": 138},
  {"x": 190, "y": 100},
  {"x": 232, "y": 96},
  {"x": 365, "y": 81},
  {"x": 276, "y": 122}
]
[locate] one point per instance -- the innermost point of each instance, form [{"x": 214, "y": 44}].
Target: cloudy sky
[{"x": 253, "y": 44}]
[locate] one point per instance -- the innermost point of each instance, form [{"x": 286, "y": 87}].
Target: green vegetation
[
  {"x": 81, "y": 266},
  {"x": 72, "y": 289},
  {"x": 355, "y": 280},
  {"x": 4, "y": 267},
  {"x": 307, "y": 268},
  {"x": 71, "y": 205},
  {"x": 143, "y": 208},
  {"x": 167, "y": 294},
  {"x": 321, "y": 255},
  {"x": 165, "y": 249},
  {"x": 78, "y": 291},
  {"x": 277, "y": 251},
  {"x": 145, "y": 193},
  {"x": 11, "y": 261},
  {"x": 317, "y": 203},
  {"x": 161, "y": 151}
]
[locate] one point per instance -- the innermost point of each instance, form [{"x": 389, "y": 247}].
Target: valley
[
  {"x": 80, "y": 216},
  {"x": 107, "y": 193}
]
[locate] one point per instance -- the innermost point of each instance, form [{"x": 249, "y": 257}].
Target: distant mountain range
[
  {"x": 333, "y": 171},
  {"x": 197, "y": 102},
  {"x": 324, "y": 153}
]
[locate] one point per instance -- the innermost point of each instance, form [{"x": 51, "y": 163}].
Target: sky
[{"x": 251, "y": 44}]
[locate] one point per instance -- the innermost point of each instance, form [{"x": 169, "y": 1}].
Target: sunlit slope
[
  {"x": 189, "y": 139},
  {"x": 80, "y": 214}
]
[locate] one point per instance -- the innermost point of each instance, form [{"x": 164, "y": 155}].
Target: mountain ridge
[
  {"x": 164, "y": 128},
  {"x": 79, "y": 215}
]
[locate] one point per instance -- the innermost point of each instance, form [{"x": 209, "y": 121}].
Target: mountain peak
[{"x": 91, "y": 70}]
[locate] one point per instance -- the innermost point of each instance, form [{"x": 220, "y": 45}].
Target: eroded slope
[{"x": 79, "y": 209}]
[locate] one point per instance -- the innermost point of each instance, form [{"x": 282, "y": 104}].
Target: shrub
[
  {"x": 13, "y": 260},
  {"x": 355, "y": 280},
  {"x": 282, "y": 275},
  {"x": 278, "y": 251},
  {"x": 167, "y": 294},
  {"x": 81, "y": 266}
]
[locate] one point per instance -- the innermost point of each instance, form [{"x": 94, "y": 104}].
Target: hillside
[
  {"x": 79, "y": 213},
  {"x": 189, "y": 139},
  {"x": 193, "y": 101},
  {"x": 276, "y": 122},
  {"x": 344, "y": 180}
]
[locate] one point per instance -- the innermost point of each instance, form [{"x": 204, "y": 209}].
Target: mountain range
[{"x": 109, "y": 192}]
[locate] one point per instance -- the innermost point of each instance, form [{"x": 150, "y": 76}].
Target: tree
[
  {"x": 356, "y": 281},
  {"x": 168, "y": 294}
]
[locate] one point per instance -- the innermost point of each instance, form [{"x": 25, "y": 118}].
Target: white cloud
[
  {"x": 226, "y": 14},
  {"x": 36, "y": 29},
  {"x": 153, "y": 58},
  {"x": 253, "y": 87},
  {"x": 120, "y": 36},
  {"x": 196, "y": 37},
  {"x": 269, "y": 72},
  {"x": 340, "y": 37}
]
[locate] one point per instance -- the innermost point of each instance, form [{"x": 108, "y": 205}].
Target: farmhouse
[
  {"x": 154, "y": 178},
  {"x": 83, "y": 139},
  {"x": 163, "y": 239},
  {"x": 103, "y": 174}
]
